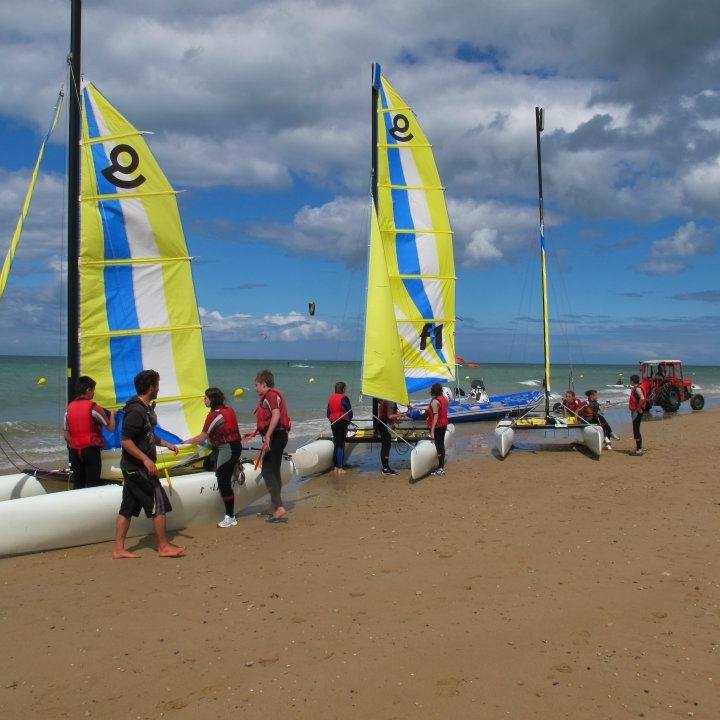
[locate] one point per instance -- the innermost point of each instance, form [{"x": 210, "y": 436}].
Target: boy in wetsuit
[{"x": 142, "y": 489}]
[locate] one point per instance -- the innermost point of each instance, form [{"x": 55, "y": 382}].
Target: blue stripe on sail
[
  {"x": 125, "y": 351},
  {"x": 415, "y": 384}
]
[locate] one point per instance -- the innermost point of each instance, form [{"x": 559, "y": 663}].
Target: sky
[{"x": 261, "y": 115}]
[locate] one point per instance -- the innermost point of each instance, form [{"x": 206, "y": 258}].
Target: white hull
[
  {"x": 506, "y": 435},
  {"x": 317, "y": 456},
  {"x": 81, "y": 517}
]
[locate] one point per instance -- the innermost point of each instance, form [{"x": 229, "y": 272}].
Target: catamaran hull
[
  {"x": 497, "y": 407},
  {"x": 81, "y": 517},
  {"x": 317, "y": 457},
  {"x": 506, "y": 434}
]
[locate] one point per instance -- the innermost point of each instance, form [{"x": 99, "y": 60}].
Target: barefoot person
[
  {"x": 84, "y": 421},
  {"x": 142, "y": 489},
  {"x": 339, "y": 413},
  {"x": 636, "y": 405},
  {"x": 273, "y": 425},
  {"x": 221, "y": 430},
  {"x": 437, "y": 420}
]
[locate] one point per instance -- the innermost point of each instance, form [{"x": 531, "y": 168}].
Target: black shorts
[{"x": 143, "y": 492}]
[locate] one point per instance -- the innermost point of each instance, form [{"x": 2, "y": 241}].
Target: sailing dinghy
[
  {"x": 548, "y": 429},
  {"x": 410, "y": 310},
  {"x": 131, "y": 305}
]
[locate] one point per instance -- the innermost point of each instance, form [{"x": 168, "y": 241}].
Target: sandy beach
[{"x": 549, "y": 585}]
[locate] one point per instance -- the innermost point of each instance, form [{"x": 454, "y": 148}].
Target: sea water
[{"x": 31, "y": 414}]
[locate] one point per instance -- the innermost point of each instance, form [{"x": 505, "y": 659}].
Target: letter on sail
[{"x": 137, "y": 299}]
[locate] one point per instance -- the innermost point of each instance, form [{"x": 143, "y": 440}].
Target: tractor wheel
[
  {"x": 697, "y": 402},
  {"x": 669, "y": 399}
]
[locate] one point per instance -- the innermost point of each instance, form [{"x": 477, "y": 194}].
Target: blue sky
[{"x": 261, "y": 114}]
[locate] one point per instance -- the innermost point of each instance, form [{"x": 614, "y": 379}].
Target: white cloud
[
  {"x": 661, "y": 267},
  {"x": 688, "y": 240}
]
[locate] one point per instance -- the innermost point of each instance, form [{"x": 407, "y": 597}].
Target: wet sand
[{"x": 548, "y": 585}]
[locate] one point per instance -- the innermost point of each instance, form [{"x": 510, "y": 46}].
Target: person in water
[
  {"x": 273, "y": 425},
  {"x": 637, "y": 404},
  {"x": 571, "y": 404},
  {"x": 142, "y": 489},
  {"x": 388, "y": 416},
  {"x": 592, "y": 413},
  {"x": 84, "y": 421},
  {"x": 222, "y": 432},
  {"x": 437, "y": 420},
  {"x": 619, "y": 380},
  {"x": 339, "y": 413}
]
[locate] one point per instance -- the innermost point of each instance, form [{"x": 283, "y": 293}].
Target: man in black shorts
[{"x": 142, "y": 489}]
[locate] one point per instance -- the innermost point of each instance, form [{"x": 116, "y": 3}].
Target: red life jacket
[
  {"x": 442, "y": 415},
  {"x": 335, "y": 408},
  {"x": 264, "y": 415},
  {"x": 574, "y": 405},
  {"x": 84, "y": 431},
  {"x": 229, "y": 431},
  {"x": 634, "y": 402}
]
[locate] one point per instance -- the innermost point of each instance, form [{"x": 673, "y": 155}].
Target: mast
[
  {"x": 73, "y": 207},
  {"x": 375, "y": 93},
  {"x": 539, "y": 127}
]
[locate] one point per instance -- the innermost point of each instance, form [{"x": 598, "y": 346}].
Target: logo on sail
[
  {"x": 400, "y": 126},
  {"x": 117, "y": 167}
]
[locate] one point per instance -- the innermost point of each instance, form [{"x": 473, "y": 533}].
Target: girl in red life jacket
[
  {"x": 339, "y": 413},
  {"x": 437, "y": 420},
  {"x": 222, "y": 432},
  {"x": 571, "y": 404},
  {"x": 273, "y": 425},
  {"x": 637, "y": 405},
  {"x": 84, "y": 421}
]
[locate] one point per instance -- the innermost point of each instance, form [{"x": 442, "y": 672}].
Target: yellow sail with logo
[
  {"x": 137, "y": 298},
  {"x": 417, "y": 244}
]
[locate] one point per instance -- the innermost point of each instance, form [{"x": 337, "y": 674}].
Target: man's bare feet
[
  {"x": 340, "y": 471},
  {"x": 171, "y": 550},
  {"x": 122, "y": 554}
]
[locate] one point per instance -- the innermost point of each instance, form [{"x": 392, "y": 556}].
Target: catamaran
[
  {"x": 410, "y": 307},
  {"x": 130, "y": 306},
  {"x": 547, "y": 429}
]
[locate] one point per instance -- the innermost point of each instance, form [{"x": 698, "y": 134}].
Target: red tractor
[{"x": 663, "y": 384}]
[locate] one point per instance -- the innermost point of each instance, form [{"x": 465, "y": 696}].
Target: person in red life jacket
[
  {"x": 572, "y": 404},
  {"x": 388, "y": 416},
  {"x": 437, "y": 420},
  {"x": 273, "y": 425},
  {"x": 142, "y": 489},
  {"x": 84, "y": 420},
  {"x": 339, "y": 413},
  {"x": 592, "y": 414},
  {"x": 637, "y": 405},
  {"x": 222, "y": 432}
]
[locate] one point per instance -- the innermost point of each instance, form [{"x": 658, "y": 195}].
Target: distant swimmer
[
  {"x": 620, "y": 380},
  {"x": 142, "y": 489},
  {"x": 273, "y": 425},
  {"x": 84, "y": 421},
  {"x": 339, "y": 413},
  {"x": 221, "y": 430},
  {"x": 437, "y": 420}
]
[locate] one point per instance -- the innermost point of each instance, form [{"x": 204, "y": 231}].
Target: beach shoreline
[{"x": 547, "y": 585}]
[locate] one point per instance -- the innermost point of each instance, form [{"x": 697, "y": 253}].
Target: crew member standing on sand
[
  {"x": 437, "y": 420},
  {"x": 84, "y": 421},
  {"x": 387, "y": 416},
  {"x": 221, "y": 430},
  {"x": 636, "y": 404},
  {"x": 273, "y": 424},
  {"x": 142, "y": 489},
  {"x": 339, "y": 413}
]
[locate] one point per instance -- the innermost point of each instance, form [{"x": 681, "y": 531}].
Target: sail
[
  {"x": 417, "y": 242},
  {"x": 137, "y": 298},
  {"x": 382, "y": 373}
]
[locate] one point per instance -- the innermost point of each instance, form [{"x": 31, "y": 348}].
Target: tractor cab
[{"x": 664, "y": 385}]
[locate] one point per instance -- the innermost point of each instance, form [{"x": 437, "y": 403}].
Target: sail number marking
[
  {"x": 125, "y": 169},
  {"x": 432, "y": 333},
  {"x": 400, "y": 128}
]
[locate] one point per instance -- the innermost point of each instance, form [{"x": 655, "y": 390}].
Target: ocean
[{"x": 31, "y": 414}]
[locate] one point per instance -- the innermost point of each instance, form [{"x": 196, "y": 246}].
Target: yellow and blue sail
[
  {"x": 137, "y": 297},
  {"x": 417, "y": 243}
]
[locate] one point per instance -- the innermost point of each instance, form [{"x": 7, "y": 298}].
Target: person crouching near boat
[
  {"x": 84, "y": 421},
  {"x": 222, "y": 432},
  {"x": 437, "y": 420},
  {"x": 592, "y": 414},
  {"x": 636, "y": 404},
  {"x": 142, "y": 489},
  {"x": 273, "y": 425},
  {"x": 339, "y": 413}
]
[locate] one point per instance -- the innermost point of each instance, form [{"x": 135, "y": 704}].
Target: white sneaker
[
  {"x": 227, "y": 521},
  {"x": 439, "y": 471},
  {"x": 615, "y": 437},
  {"x": 608, "y": 445}
]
